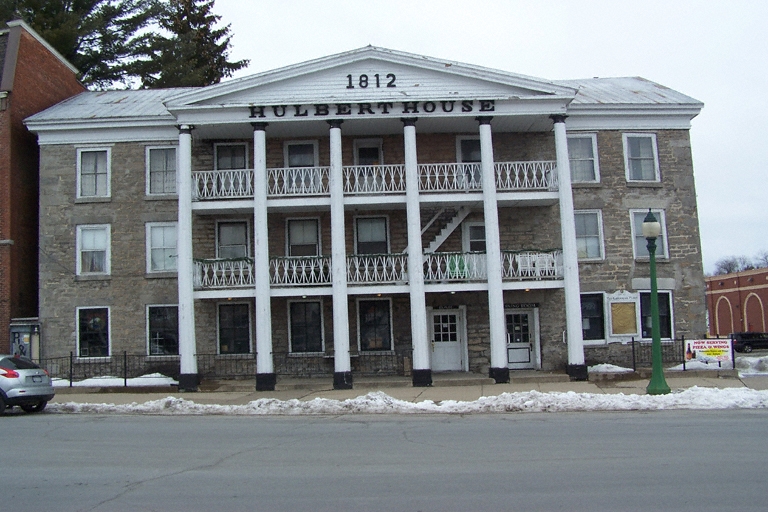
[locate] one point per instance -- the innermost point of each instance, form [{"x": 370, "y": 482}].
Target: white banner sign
[{"x": 708, "y": 350}]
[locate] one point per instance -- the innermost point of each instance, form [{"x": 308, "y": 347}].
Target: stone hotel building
[{"x": 371, "y": 212}]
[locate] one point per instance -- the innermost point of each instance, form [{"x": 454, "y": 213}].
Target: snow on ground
[
  {"x": 152, "y": 379},
  {"x": 608, "y": 368},
  {"x": 381, "y": 403}
]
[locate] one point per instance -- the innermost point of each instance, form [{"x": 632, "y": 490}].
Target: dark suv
[{"x": 747, "y": 341}]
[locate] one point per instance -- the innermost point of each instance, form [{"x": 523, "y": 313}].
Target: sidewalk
[{"x": 458, "y": 387}]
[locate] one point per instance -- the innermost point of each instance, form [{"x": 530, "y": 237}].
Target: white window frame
[
  {"x": 290, "y": 143},
  {"x": 595, "y": 158},
  {"x": 460, "y": 138},
  {"x": 627, "y": 170},
  {"x": 465, "y": 230},
  {"x": 391, "y": 326},
  {"x": 109, "y": 332},
  {"x": 606, "y": 325},
  {"x": 367, "y": 143},
  {"x": 600, "y": 233},
  {"x": 671, "y": 314},
  {"x": 218, "y": 327},
  {"x": 233, "y": 221},
  {"x": 216, "y": 147},
  {"x": 148, "y": 181},
  {"x": 386, "y": 227},
  {"x": 288, "y": 234},
  {"x": 660, "y": 216},
  {"x": 80, "y": 152},
  {"x": 148, "y": 231},
  {"x": 322, "y": 327},
  {"x": 149, "y": 341},
  {"x": 108, "y": 249}
]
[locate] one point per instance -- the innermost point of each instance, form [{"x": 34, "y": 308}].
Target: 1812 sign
[{"x": 364, "y": 81}]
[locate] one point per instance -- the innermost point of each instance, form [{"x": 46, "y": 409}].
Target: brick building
[
  {"x": 371, "y": 211},
  {"x": 738, "y": 302},
  {"x": 33, "y": 76}
]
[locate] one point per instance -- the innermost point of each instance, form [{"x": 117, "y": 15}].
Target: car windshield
[{"x": 17, "y": 363}]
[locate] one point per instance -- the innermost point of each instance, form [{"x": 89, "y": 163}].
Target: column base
[
  {"x": 500, "y": 375},
  {"x": 577, "y": 371},
  {"x": 342, "y": 380},
  {"x": 189, "y": 381},
  {"x": 266, "y": 381},
  {"x": 422, "y": 378}
]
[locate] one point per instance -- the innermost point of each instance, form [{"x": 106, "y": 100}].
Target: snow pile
[
  {"x": 381, "y": 403},
  {"x": 609, "y": 368},
  {"x": 750, "y": 366},
  {"x": 152, "y": 379}
]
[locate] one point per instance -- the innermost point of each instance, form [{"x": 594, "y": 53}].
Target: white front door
[
  {"x": 522, "y": 340},
  {"x": 447, "y": 329}
]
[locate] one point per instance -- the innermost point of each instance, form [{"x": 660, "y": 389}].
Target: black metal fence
[{"x": 672, "y": 352}]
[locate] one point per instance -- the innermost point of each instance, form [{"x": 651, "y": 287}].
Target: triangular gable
[{"x": 370, "y": 74}]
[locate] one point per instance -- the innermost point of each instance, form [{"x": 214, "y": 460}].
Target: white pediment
[{"x": 370, "y": 75}]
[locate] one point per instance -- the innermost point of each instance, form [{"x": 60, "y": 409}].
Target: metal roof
[{"x": 625, "y": 91}]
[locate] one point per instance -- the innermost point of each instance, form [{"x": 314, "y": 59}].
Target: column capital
[
  {"x": 484, "y": 119},
  {"x": 185, "y": 128},
  {"x": 335, "y": 123},
  {"x": 260, "y": 126},
  {"x": 409, "y": 121},
  {"x": 558, "y": 118}
]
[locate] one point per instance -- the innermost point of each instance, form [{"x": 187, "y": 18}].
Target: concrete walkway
[{"x": 459, "y": 387}]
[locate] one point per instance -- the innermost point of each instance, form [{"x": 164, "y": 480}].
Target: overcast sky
[{"x": 711, "y": 50}]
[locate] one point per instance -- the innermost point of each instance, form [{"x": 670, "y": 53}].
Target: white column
[
  {"x": 497, "y": 326},
  {"x": 576, "y": 366},
  {"x": 188, "y": 380},
  {"x": 265, "y": 372},
  {"x": 342, "y": 376},
  {"x": 422, "y": 370}
]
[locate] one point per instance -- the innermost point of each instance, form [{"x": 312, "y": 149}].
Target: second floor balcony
[
  {"x": 378, "y": 269},
  {"x": 529, "y": 176}
]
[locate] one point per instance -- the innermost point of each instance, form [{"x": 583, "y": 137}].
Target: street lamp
[{"x": 657, "y": 385}]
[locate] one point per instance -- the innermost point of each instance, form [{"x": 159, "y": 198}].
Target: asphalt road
[{"x": 667, "y": 460}]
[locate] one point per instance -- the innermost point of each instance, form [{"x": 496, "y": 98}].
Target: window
[
  {"x": 163, "y": 330},
  {"x": 581, "y": 153},
  {"x": 589, "y": 240},
  {"x": 306, "y": 327},
  {"x": 93, "y": 167},
  {"x": 641, "y": 157},
  {"x": 161, "y": 171},
  {"x": 592, "y": 316},
  {"x": 374, "y": 325},
  {"x": 232, "y": 240},
  {"x": 303, "y": 238},
  {"x": 93, "y": 332},
  {"x": 372, "y": 235},
  {"x": 93, "y": 249},
  {"x": 161, "y": 247},
  {"x": 641, "y": 244},
  {"x": 469, "y": 150},
  {"x": 474, "y": 238},
  {"x": 665, "y": 315},
  {"x": 234, "y": 329},
  {"x": 368, "y": 152},
  {"x": 301, "y": 154},
  {"x": 230, "y": 156}
]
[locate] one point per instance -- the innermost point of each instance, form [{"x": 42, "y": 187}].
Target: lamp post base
[{"x": 658, "y": 385}]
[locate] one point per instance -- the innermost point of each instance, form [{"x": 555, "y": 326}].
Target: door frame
[
  {"x": 461, "y": 312},
  {"x": 534, "y": 312}
]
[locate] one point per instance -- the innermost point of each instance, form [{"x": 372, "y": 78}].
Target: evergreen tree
[
  {"x": 99, "y": 37},
  {"x": 196, "y": 52}
]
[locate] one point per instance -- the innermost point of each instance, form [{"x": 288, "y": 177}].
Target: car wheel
[
  {"x": 2, "y": 404},
  {"x": 39, "y": 406},
  {"x": 747, "y": 348}
]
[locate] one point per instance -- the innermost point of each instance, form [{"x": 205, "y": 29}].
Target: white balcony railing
[
  {"x": 374, "y": 179},
  {"x": 231, "y": 184},
  {"x": 217, "y": 274},
  {"x": 538, "y": 175},
  {"x": 454, "y": 266},
  {"x": 377, "y": 268},
  {"x": 298, "y": 181},
  {"x": 300, "y": 271},
  {"x": 451, "y": 177},
  {"x": 532, "y": 265}
]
